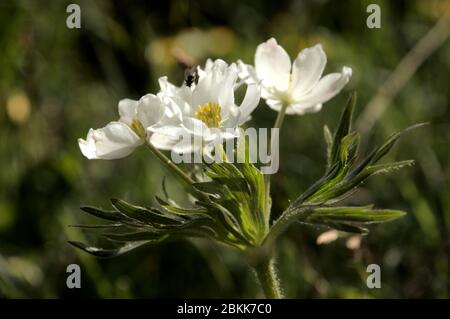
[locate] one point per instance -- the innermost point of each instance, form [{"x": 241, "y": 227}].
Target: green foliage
[
  {"x": 238, "y": 194},
  {"x": 342, "y": 176},
  {"x": 230, "y": 203},
  {"x": 229, "y": 208},
  {"x": 135, "y": 226}
]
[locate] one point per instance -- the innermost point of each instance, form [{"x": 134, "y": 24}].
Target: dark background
[{"x": 56, "y": 83}]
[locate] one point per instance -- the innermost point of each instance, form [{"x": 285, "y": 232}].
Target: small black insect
[{"x": 190, "y": 76}]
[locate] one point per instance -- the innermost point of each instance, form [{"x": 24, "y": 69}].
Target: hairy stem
[
  {"x": 280, "y": 118},
  {"x": 175, "y": 169},
  {"x": 268, "y": 279},
  {"x": 278, "y": 123}
]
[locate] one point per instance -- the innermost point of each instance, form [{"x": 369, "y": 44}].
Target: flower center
[
  {"x": 137, "y": 127},
  {"x": 210, "y": 114}
]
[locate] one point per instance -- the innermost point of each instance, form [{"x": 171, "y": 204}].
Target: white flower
[
  {"x": 119, "y": 138},
  {"x": 300, "y": 85},
  {"x": 207, "y": 109}
]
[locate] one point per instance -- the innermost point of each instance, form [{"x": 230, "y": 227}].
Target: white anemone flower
[
  {"x": 118, "y": 139},
  {"x": 299, "y": 86},
  {"x": 208, "y": 111}
]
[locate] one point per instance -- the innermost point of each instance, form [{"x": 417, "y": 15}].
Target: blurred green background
[{"x": 56, "y": 83}]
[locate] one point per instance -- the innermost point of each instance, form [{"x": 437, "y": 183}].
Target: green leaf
[
  {"x": 349, "y": 149},
  {"x": 348, "y": 228},
  {"x": 343, "y": 128},
  {"x": 287, "y": 218},
  {"x": 363, "y": 215},
  {"x": 329, "y": 142},
  {"x": 348, "y": 219},
  {"x": 332, "y": 173},
  {"x": 164, "y": 188},
  {"x": 382, "y": 150},
  {"x": 188, "y": 213},
  {"x": 148, "y": 216},
  {"x": 226, "y": 218},
  {"x": 388, "y": 167},
  {"x": 103, "y": 214},
  {"x": 210, "y": 188},
  {"x": 97, "y": 226},
  {"x": 349, "y": 184},
  {"x": 108, "y": 253},
  {"x": 390, "y": 142},
  {"x": 343, "y": 176},
  {"x": 239, "y": 198},
  {"x": 137, "y": 236}
]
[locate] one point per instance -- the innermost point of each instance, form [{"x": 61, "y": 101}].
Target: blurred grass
[{"x": 56, "y": 83}]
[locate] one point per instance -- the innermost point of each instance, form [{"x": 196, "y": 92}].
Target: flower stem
[
  {"x": 179, "y": 172},
  {"x": 280, "y": 118},
  {"x": 170, "y": 164},
  {"x": 265, "y": 270},
  {"x": 278, "y": 123},
  {"x": 268, "y": 278}
]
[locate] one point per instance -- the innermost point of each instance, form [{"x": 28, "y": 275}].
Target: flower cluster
[{"x": 178, "y": 116}]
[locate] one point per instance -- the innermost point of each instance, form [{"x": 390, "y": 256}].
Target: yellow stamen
[
  {"x": 137, "y": 127},
  {"x": 210, "y": 114}
]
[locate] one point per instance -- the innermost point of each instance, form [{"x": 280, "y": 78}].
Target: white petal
[
  {"x": 273, "y": 65},
  {"x": 231, "y": 118},
  {"x": 166, "y": 86},
  {"x": 208, "y": 66},
  {"x": 275, "y": 105},
  {"x": 247, "y": 72},
  {"x": 250, "y": 102},
  {"x": 187, "y": 145},
  {"x": 228, "y": 134},
  {"x": 87, "y": 146},
  {"x": 115, "y": 140},
  {"x": 181, "y": 96},
  {"x": 127, "y": 110},
  {"x": 266, "y": 93},
  {"x": 225, "y": 85},
  {"x": 326, "y": 88},
  {"x": 300, "y": 110},
  {"x": 165, "y": 137},
  {"x": 167, "y": 130},
  {"x": 307, "y": 70},
  {"x": 172, "y": 114},
  {"x": 196, "y": 127},
  {"x": 217, "y": 65},
  {"x": 216, "y": 85},
  {"x": 203, "y": 91},
  {"x": 163, "y": 142},
  {"x": 150, "y": 110}
]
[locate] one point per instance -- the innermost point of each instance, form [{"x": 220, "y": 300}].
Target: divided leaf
[
  {"x": 342, "y": 176},
  {"x": 108, "y": 253}
]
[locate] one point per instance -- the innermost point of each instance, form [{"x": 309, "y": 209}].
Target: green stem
[
  {"x": 268, "y": 278},
  {"x": 278, "y": 123},
  {"x": 170, "y": 164},
  {"x": 175, "y": 169},
  {"x": 280, "y": 118}
]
